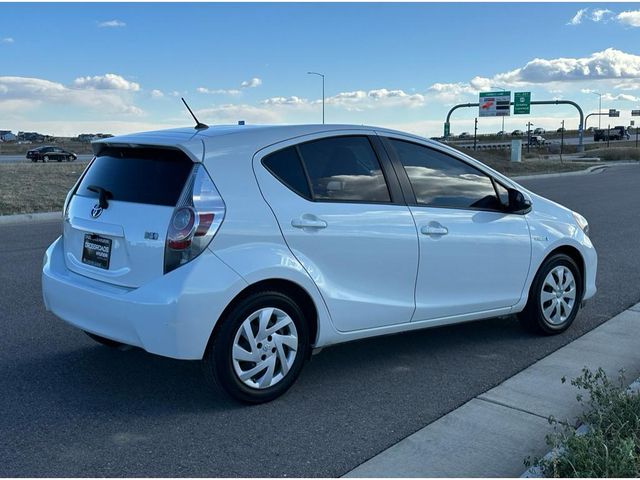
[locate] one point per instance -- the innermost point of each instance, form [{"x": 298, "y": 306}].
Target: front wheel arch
[{"x": 575, "y": 255}]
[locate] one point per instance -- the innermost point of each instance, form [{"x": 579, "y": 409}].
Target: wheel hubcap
[
  {"x": 264, "y": 348},
  {"x": 558, "y": 296}
]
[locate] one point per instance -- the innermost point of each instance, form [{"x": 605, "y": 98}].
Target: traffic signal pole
[{"x": 535, "y": 102}]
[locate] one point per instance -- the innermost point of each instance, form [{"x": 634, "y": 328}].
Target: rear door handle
[
  {"x": 434, "y": 229},
  {"x": 308, "y": 221}
]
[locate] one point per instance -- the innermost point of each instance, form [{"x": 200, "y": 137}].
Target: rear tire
[
  {"x": 104, "y": 341},
  {"x": 260, "y": 348},
  {"x": 554, "y": 297}
]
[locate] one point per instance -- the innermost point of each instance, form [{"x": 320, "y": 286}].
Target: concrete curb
[
  {"x": 586, "y": 171},
  {"x": 492, "y": 434},
  {"x": 594, "y": 169},
  {"x": 30, "y": 217}
]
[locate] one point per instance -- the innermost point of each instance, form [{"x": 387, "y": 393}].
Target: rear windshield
[{"x": 137, "y": 175}]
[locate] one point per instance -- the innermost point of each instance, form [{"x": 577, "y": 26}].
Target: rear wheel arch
[{"x": 287, "y": 287}]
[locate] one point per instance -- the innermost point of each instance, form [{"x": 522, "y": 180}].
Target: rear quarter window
[{"x": 137, "y": 175}]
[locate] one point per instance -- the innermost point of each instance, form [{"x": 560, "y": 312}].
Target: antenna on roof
[{"x": 199, "y": 126}]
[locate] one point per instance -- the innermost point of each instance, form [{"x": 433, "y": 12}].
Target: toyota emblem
[{"x": 96, "y": 211}]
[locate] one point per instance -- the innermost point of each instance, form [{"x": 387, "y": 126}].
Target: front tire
[
  {"x": 260, "y": 348},
  {"x": 45, "y": 159},
  {"x": 554, "y": 297}
]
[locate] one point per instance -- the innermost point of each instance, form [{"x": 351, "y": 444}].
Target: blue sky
[{"x": 111, "y": 67}]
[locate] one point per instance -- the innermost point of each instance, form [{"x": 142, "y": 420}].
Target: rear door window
[
  {"x": 137, "y": 175},
  {"x": 344, "y": 169}
]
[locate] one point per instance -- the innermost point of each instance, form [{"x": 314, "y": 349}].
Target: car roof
[{"x": 258, "y": 136}]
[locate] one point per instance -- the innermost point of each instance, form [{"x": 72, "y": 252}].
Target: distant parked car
[
  {"x": 538, "y": 131},
  {"x": 464, "y": 135},
  {"x": 517, "y": 133},
  {"x": 45, "y": 154},
  {"x": 536, "y": 140},
  {"x": 561, "y": 130},
  {"x": 501, "y": 133}
]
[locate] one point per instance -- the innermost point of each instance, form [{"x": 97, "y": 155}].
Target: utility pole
[
  {"x": 636, "y": 137},
  {"x": 608, "y": 134},
  {"x": 529, "y": 125},
  {"x": 475, "y": 134},
  {"x": 320, "y": 75},
  {"x": 561, "y": 141}
]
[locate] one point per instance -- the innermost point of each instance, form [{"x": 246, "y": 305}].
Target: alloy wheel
[
  {"x": 264, "y": 348},
  {"x": 558, "y": 296}
]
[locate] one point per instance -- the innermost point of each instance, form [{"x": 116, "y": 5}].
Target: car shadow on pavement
[{"x": 96, "y": 377}]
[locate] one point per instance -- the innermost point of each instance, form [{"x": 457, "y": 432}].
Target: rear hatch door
[{"x": 122, "y": 241}]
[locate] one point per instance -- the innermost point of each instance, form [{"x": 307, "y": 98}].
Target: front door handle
[
  {"x": 434, "y": 229},
  {"x": 308, "y": 221}
]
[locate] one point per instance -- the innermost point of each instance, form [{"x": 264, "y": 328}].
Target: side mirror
[{"x": 518, "y": 203}]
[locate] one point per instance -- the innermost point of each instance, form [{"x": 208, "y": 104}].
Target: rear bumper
[{"x": 172, "y": 316}]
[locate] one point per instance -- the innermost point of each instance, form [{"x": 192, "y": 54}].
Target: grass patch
[
  {"x": 36, "y": 187},
  {"x": 11, "y": 148},
  {"x": 531, "y": 164},
  {"x": 613, "y": 154},
  {"x": 611, "y": 445}
]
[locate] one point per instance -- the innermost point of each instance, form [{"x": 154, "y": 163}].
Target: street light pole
[
  {"x": 599, "y": 107},
  {"x": 320, "y": 75}
]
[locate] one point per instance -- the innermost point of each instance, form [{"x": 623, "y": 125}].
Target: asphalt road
[
  {"x": 70, "y": 407},
  {"x": 22, "y": 158}
]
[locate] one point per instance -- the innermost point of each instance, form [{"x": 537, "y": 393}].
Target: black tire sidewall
[
  {"x": 536, "y": 290},
  {"x": 220, "y": 352}
]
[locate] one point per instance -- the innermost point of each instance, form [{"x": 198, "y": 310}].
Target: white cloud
[
  {"x": 601, "y": 14},
  {"x": 36, "y": 92},
  {"x": 620, "y": 97},
  {"x": 157, "y": 93},
  {"x": 219, "y": 91},
  {"x": 109, "y": 81},
  {"x": 251, "y": 83},
  {"x": 605, "y": 65},
  {"x": 7, "y": 40},
  {"x": 293, "y": 100},
  {"x": 112, "y": 24},
  {"x": 382, "y": 97},
  {"x": 231, "y": 113},
  {"x": 630, "y": 18},
  {"x": 578, "y": 17}
]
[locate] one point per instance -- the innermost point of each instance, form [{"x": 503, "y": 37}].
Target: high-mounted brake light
[{"x": 195, "y": 220}]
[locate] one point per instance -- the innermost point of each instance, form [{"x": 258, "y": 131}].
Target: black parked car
[{"x": 50, "y": 153}]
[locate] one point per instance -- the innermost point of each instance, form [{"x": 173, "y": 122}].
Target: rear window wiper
[{"x": 104, "y": 194}]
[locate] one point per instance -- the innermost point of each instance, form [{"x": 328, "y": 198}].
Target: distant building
[
  {"x": 31, "y": 137},
  {"x": 90, "y": 137}
]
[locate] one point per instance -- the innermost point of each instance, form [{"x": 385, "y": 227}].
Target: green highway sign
[
  {"x": 494, "y": 104},
  {"x": 522, "y": 103},
  {"x": 447, "y": 129}
]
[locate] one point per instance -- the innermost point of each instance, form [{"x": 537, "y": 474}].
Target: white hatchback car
[{"x": 249, "y": 246}]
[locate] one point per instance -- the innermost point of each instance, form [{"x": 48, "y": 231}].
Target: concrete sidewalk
[{"x": 491, "y": 435}]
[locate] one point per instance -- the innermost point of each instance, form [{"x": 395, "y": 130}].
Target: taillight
[
  {"x": 195, "y": 220},
  {"x": 181, "y": 228}
]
